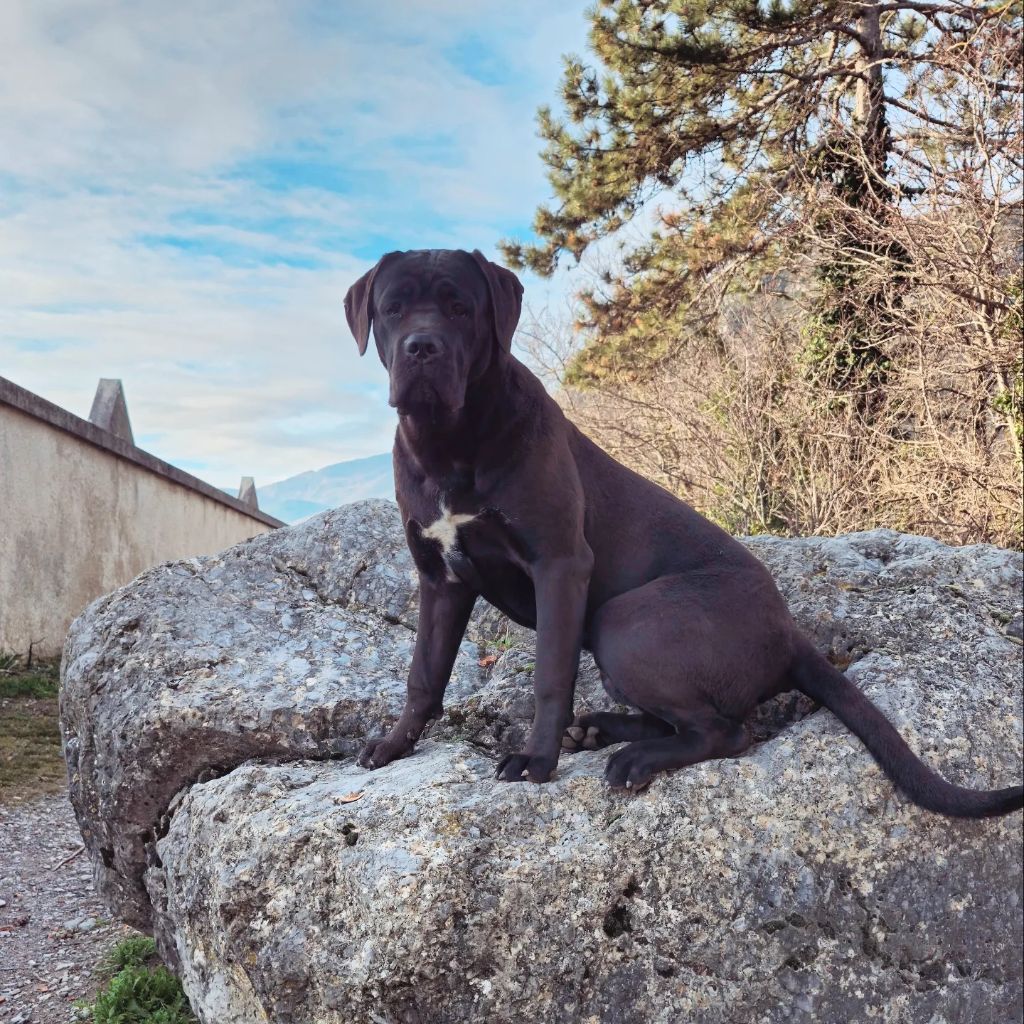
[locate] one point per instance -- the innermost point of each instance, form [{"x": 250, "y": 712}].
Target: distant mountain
[{"x": 304, "y": 495}]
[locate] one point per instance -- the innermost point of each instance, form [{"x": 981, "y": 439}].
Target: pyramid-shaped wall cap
[
  {"x": 247, "y": 492},
  {"x": 110, "y": 410}
]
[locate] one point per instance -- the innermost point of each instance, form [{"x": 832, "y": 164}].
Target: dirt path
[{"x": 53, "y": 929}]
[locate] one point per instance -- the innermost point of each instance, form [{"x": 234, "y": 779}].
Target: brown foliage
[{"x": 747, "y": 438}]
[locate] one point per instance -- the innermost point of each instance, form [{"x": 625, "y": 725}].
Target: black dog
[{"x": 502, "y": 497}]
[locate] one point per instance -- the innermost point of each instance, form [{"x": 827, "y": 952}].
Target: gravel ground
[{"x": 53, "y": 929}]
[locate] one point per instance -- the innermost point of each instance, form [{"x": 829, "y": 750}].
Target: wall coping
[{"x": 39, "y": 408}]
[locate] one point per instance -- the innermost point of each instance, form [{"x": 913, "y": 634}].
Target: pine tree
[{"x": 728, "y": 117}]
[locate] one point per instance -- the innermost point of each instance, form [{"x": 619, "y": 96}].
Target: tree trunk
[{"x": 869, "y": 113}]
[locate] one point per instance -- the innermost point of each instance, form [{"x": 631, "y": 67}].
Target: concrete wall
[{"x": 82, "y": 512}]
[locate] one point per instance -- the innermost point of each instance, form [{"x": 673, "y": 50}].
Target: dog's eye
[
  {"x": 393, "y": 309},
  {"x": 458, "y": 309}
]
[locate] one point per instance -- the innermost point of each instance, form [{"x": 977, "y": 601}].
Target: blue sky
[{"x": 187, "y": 190}]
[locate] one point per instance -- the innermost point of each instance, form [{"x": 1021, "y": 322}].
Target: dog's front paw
[
  {"x": 526, "y": 768},
  {"x": 383, "y": 750}
]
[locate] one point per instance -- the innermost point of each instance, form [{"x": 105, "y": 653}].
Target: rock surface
[{"x": 210, "y": 709}]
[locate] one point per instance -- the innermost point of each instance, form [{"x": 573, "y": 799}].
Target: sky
[{"x": 188, "y": 189}]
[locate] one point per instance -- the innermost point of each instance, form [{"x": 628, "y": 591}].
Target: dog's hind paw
[
  {"x": 630, "y": 769},
  {"x": 581, "y": 737}
]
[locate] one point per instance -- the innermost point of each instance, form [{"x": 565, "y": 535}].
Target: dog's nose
[{"x": 423, "y": 346}]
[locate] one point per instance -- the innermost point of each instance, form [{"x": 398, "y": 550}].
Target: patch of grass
[
  {"x": 510, "y": 641},
  {"x": 30, "y": 759},
  {"x": 139, "y": 990},
  {"x": 29, "y": 684},
  {"x": 41, "y": 681}
]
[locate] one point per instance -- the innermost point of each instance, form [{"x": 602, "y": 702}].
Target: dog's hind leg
[
  {"x": 635, "y": 765},
  {"x": 678, "y": 650},
  {"x": 603, "y": 728}
]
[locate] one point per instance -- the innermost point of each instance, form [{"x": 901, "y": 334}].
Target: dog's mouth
[
  {"x": 422, "y": 396},
  {"x": 414, "y": 393}
]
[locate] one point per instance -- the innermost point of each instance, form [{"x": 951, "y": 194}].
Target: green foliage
[
  {"x": 862, "y": 279},
  {"x": 139, "y": 993},
  {"x": 736, "y": 116},
  {"x": 135, "y": 951},
  {"x": 610, "y": 357},
  {"x": 1010, "y": 402},
  {"x": 40, "y": 682}
]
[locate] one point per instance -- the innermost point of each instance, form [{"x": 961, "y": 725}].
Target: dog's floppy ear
[
  {"x": 506, "y": 298},
  {"x": 357, "y": 305}
]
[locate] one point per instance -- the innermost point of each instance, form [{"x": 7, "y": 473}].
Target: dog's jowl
[{"x": 503, "y": 498}]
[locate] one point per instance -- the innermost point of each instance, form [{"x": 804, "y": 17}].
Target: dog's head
[{"x": 440, "y": 317}]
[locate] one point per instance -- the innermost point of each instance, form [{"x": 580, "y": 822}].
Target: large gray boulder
[{"x": 211, "y": 710}]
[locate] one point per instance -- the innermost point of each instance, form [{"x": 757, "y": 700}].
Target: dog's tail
[{"x": 814, "y": 675}]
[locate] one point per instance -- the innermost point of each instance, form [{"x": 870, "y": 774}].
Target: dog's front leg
[
  {"x": 560, "y": 586},
  {"x": 445, "y": 608}
]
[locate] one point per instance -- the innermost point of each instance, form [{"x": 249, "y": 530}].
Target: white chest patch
[{"x": 445, "y": 530}]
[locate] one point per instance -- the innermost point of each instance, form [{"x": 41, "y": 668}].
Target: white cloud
[{"x": 162, "y": 219}]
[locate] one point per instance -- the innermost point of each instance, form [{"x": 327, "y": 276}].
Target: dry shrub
[
  {"x": 743, "y": 433},
  {"x": 748, "y": 439}
]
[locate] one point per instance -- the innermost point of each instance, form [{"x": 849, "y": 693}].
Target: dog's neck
[{"x": 450, "y": 448}]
